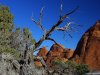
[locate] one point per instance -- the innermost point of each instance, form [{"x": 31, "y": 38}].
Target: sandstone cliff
[{"x": 88, "y": 48}]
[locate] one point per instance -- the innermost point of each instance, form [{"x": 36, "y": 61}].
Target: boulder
[
  {"x": 58, "y": 53},
  {"x": 42, "y": 52},
  {"x": 68, "y": 53},
  {"x": 88, "y": 48},
  {"x": 57, "y": 48}
]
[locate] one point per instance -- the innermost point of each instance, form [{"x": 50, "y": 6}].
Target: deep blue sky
[{"x": 87, "y": 15}]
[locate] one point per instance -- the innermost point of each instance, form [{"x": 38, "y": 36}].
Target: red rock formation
[
  {"x": 68, "y": 53},
  {"x": 57, "y": 48},
  {"x": 43, "y": 52},
  {"x": 58, "y": 52},
  {"x": 38, "y": 64},
  {"x": 88, "y": 48}
]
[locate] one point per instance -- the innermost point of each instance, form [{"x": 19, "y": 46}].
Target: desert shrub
[
  {"x": 82, "y": 69},
  {"x": 12, "y": 51},
  {"x": 71, "y": 68},
  {"x": 57, "y": 62}
]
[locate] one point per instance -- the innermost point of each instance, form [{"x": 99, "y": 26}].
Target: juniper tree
[
  {"x": 6, "y": 19},
  {"x": 12, "y": 40},
  {"x": 6, "y": 26}
]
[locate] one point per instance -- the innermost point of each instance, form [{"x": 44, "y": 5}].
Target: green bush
[
  {"x": 82, "y": 69},
  {"x": 12, "y": 51},
  {"x": 72, "y": 67},
  {"x": 57, "y": 62}
]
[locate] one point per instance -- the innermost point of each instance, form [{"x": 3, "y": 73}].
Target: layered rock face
[
  {"x": 57, "y": 52},
  {"x": 88, "y": 48}
]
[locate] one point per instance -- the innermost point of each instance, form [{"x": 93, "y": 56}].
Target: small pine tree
[
  {"x": 6, "y": 19},
  {"x": 6, "y": 27},
  {"x": 12, "y": 41}
]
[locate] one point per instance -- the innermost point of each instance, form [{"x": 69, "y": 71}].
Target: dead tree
[
  {"x": 46, "y": 36},
  {"x": 48, "y": 33},
  {"x": 55, "y": 27}
]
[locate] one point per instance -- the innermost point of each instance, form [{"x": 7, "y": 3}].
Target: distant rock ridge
[
  {"x": 57, "y": 52},
  {"x": 88, "y": 48}
]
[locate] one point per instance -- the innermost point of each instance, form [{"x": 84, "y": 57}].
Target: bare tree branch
[
  {"x": 72, "y": 29},
  {"x": 66, "y": 15},
  {"x": 60, "y": 21},
  {"x": 69, "y": 34},
  {"x": 37, "y": 50},
  {"x": 51, "y": 40},
  {"x": 65, "y": 28},
  {"x": 61, "y": 8},
  {"x": 38, "y": 23},
  {"x": 41, "y": 14},
  {"x": 42, "y": 61},
  {"x": 47, "y": 34}
]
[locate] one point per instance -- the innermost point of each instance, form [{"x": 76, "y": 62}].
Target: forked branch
[
  {"x": 65, "y": 28},
  {"x": 41, "y": 14},
  {"x": 51, "y": 40},
  {"x": 39, "y": 23},
  {"x": 53, "y": 28}
]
